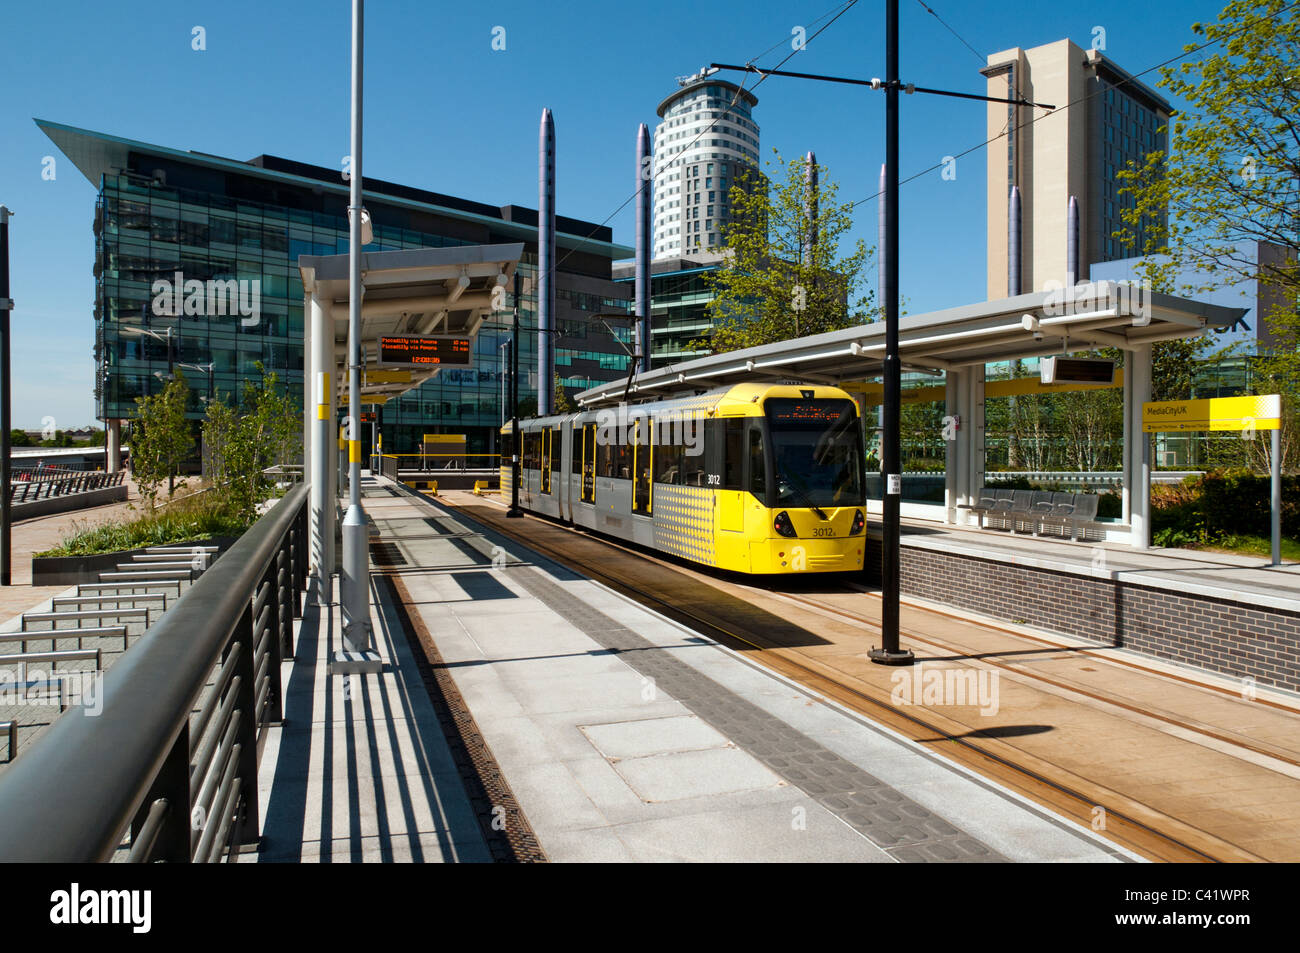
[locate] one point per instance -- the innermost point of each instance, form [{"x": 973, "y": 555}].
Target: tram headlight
[
  {"x": 783, "y": 525},
  {"x": 859, "y": 521}
]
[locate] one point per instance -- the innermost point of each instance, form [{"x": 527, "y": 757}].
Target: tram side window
[
  {"x": 623, "y": 461},
  {"x": 668, "y": 456},
  {"x": 575, "y": 456},
  {"x": 605, "y": 459},
  {"x": 526, "y": 450},
  {"x": 733, "y": 453},
  {"x": 757, "y": 462},
  {"x": 553, "y": 463}
]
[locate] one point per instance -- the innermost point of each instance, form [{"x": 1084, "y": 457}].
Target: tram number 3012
[
  {"x": 823, "y": 531},
  {"x": 715, "y": 479}
]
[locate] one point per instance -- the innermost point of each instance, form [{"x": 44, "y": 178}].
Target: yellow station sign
[
  {"x": 365, "y": 399},
  {"x": 1213, "y": 414}
]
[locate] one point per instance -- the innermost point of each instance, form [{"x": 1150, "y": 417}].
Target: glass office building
[
  {"x": 164, "y": 215},
  {"x": 679, "y": 306}
]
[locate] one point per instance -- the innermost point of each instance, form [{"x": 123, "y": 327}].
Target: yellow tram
[{"x": 754, "y": 478}]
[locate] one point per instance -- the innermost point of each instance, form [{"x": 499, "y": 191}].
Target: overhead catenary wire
[
  {"x": 834, "y": 13},
  {"x": 1075, "y": 102},
  {"x": 930, "y": 10}
]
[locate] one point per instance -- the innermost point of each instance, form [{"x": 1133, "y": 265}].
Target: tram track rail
[{"x": 1129, "y": 822}]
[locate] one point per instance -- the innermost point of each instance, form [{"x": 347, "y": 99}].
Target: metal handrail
[
  {"x": 62, "y": 483},
  {"x": 388, "y": 463},
  {"x": 74, "y": 795}
]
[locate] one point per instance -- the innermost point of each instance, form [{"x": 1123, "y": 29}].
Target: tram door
[
  {"x": 642, "y": 449},
  {"x": 588, "y": 471},
  {"x": 545, "y": 462},
  {"x": 731, "y": 498}
]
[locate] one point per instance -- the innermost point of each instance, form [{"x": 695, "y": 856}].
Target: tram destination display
[{"x": 426, "y": 351}]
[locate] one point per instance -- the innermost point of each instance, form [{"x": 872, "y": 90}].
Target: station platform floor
[{"x": 613, "y": 733}]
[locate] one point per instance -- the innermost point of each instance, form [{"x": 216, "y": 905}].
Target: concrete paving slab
[
  {"x": 668, "y": 777},
  {"x": 637, "y": 739},
  {"x": 778, "y": 832}
]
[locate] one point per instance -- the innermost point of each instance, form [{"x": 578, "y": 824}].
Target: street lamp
[
  {"x": 354, "y": 583},
  {"x": 516, "y": 442},
  {"x": 503, "y": 357},
  {"x": 208, "y": 369},
  {"x": 157, "y": 336}
]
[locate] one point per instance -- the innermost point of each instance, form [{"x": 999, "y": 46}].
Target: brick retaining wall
[{"x": 1220, "y": 635}]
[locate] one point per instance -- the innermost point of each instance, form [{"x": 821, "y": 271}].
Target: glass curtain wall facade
[
  {"x": 679, "y": 308},
  {"x": 149, "y": 231}
]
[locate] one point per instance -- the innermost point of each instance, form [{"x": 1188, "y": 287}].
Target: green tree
[
  {"x": 19, "y": 438},
  {"x": 1231, "y": 179},
  {"x": 240, "y": 443},
  {"x": 161, "y": 439},
  {"x": 563, "y": 405},
  {"x": 60, "y": 439},
  {"x": 773, "y": 282},
  {"x": 1173, "y": 368}
]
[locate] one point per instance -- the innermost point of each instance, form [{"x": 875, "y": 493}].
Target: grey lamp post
[{"x": 354, "y": 584}]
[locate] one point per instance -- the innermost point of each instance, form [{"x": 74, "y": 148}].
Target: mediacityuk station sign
[{"x": 1213, "y": 414}]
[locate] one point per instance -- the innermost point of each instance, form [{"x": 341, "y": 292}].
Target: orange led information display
[
  {"x": 424, "y": 351},
  {"x": 826, "y": 410}
]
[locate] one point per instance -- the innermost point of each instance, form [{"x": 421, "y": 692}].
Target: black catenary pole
[{"x": 889, "y": 652}]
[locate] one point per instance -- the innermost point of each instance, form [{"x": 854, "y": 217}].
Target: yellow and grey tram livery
[{"x": 754, "y": 478}]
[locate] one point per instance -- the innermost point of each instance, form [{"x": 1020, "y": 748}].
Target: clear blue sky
[{"x": 447, "y": 113}]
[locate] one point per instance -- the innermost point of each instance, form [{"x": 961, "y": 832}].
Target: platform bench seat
[{"x": 1035, "y": 509}]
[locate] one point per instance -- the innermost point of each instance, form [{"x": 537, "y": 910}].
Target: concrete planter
[{"x": 70, "y": 570}]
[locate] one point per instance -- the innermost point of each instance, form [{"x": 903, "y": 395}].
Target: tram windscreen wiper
[{"x": 802, "y": 491}]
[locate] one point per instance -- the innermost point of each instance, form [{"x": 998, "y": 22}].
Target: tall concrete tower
[
  {"x": 701, "y": 149},
  {"x": 1045, "y": 159},
  {"x": 546, "y": 265}
]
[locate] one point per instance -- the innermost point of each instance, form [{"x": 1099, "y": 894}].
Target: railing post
[
  {"x": 173, "y": 783},
  {"x": 283, "y": 622},
  {"x": 247, "y": 830}
]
